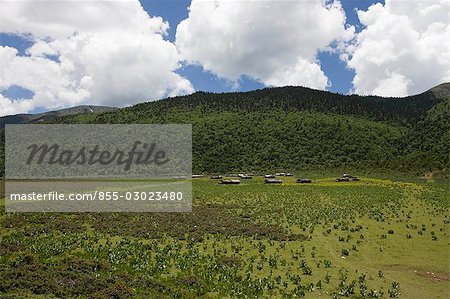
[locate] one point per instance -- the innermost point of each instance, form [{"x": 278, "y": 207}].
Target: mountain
[
  {"x": 441, "y": 91},
  {"x": 431, "y": 134},
  {"x": 46, "y": 116},
  {"x": 297, "y": 128}
]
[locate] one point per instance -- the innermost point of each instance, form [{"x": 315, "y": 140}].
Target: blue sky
[{"x": 64, "y": 54}]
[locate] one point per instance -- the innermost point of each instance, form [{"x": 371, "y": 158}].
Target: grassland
[{"x": 372, "y": 238}]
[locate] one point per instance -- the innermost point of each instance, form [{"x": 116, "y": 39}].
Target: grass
[{"x": 325, "y": 239}]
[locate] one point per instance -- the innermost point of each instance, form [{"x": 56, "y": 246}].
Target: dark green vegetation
[
  {"x": 296, "y": 128},
  {"x": 368, "y": 239}
]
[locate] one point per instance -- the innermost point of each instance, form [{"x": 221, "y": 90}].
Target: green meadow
[{"x": 376, "y": 238}]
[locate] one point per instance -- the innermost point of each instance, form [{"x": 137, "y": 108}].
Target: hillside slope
[
  {"x": 296, "y": 128},
  {"x": 46, "y": 116}
]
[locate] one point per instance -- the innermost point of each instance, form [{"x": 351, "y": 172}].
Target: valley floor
[{"x": 372, "y": 238}]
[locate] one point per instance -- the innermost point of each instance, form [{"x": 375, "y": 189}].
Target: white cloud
[
  {"x": 110, "y": 53},
  {"x": 274, "y": 42},
  {"x": 404, "y": 49},
  {"x": 395, "y": 85}
]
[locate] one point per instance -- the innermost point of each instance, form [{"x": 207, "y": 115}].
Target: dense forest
[{"x": 297, "y": 128}]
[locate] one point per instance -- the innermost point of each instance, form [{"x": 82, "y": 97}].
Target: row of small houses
[
  {"x": 270, "y": 178},
  {"x": 248, "y": 176}
]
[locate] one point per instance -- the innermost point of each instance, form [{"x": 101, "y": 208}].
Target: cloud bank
[
  {"x": 102, "y": 52},
  {"x": 404, "y": 49},
  {"x": 114, "y": 53},
  {"x": 273, "y": 42}
]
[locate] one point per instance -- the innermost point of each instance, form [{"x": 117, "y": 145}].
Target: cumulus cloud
[
  {"x": 274, "y": 42},
  {"x": 404, "y": 48},
  {"x": 96, "y": 52}
]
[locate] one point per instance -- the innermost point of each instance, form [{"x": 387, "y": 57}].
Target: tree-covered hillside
[
  {"x": 296, "y": 128},
  {"x": 430, "y": 137},
  {"x": 400, "y": 110}
]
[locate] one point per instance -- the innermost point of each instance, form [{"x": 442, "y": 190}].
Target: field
[{"x": 376, "y": 238}]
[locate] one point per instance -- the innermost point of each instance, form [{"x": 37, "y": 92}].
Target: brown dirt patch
[
  {"x": 433, "y": 275},
  {"x": 421, "y": 272}
]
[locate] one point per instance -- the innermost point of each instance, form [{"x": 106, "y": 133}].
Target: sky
[{"x": 58, "y": 54}]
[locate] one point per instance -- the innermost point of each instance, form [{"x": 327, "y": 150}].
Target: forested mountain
[{"x": 296, "y": 128}]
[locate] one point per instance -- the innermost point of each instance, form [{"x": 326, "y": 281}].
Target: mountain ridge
[
  {"x": 441, "y": 91},
  {"x": 302, "y": 98},
  {"x": 296, "y": 128},
  {"x": 289, "y": 128},
  {"x": 28, "y": 118}
]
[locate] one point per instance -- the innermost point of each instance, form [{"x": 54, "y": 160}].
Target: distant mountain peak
[
  {"x": 442, "y": 90},
  {"x": 49, "y": 115}
]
